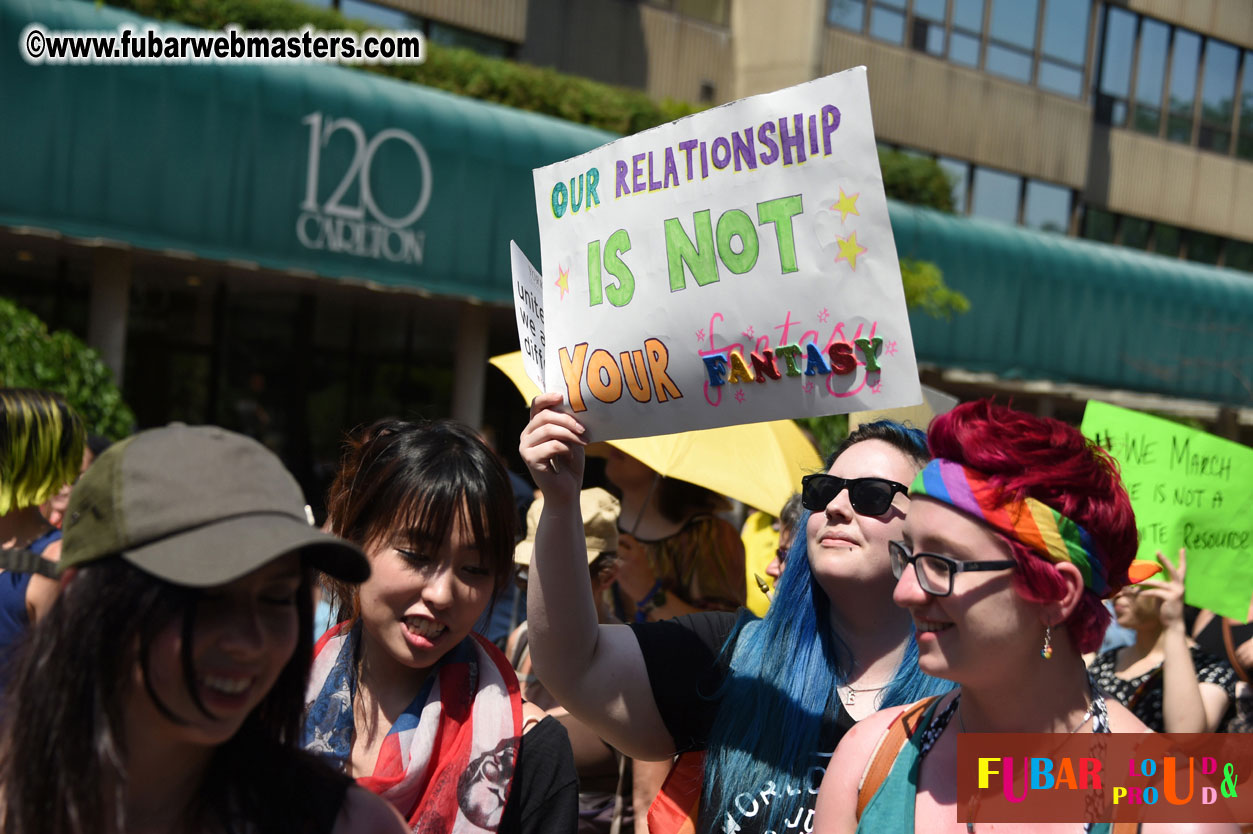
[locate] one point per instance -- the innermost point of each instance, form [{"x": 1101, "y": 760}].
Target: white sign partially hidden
[
  {"x": 528, "y": 306},
  {"x": 734, "y": 266}
]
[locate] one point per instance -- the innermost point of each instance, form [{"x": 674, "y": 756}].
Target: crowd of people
[{"x": 160, "y": 669}]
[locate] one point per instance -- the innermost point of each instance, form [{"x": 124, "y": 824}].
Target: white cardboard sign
[
  {"x": 730, "y": 267},
  {"x": 528, "y": 307}
]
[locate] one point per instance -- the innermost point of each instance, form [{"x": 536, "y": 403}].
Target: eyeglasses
[
  {"x": 935, "y": 572},
  {"x": 868, "y": 496}
]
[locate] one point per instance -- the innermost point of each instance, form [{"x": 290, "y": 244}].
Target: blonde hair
[{"x": 41, "y": 447}]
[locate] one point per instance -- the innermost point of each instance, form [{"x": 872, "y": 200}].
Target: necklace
[{"x": 850, "y": 696}]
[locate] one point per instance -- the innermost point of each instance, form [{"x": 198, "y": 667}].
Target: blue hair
[{"x": 783, "y": 676}]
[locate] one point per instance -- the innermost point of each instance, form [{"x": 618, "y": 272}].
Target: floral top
[{"x": 1143, "y": 694}]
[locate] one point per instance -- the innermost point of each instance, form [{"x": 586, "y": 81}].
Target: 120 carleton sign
[{"x": 363, "y": 229}]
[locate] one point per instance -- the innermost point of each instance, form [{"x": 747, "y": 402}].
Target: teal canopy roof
[
  {"x": 1044, "y": 306},
  {"x": 214, "y": 159}
]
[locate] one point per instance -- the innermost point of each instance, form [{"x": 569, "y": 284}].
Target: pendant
[{"x": 850, "y": 698}]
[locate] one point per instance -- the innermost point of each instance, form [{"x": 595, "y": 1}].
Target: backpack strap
[
  {"x": 899, "y": 733},
  {"x": 24, "y": 561}
]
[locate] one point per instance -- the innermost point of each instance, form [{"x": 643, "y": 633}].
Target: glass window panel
[
  {"x": 1047, "y": 207},
  {"x": 1098, "y": 225},
  {"x": 1009, "y": 63},
  {"x": 956, "y": 170},
  {"x": 1013, "y": 21},
  {"x": 933, "y": 9},
  {"x": 1239, "y": 255},
  {"x": 1218, "y": 92},
  {"x": 847, "y": 14},
  {"x": 995, "y": 196},
  {"x": 1203, "y": 248},
  {"x": 1184, "y": 59},
  {"x": 1244, "y": 143},
  {"x": 1059, "y": 79},
  {"x": 1135, "y": 232},
  {"x": 1150, "y": 74},
  {"x": 968, "y": 14},
  {"x": 1166, "y": 240},
  {"x": 1066, "y": 30},
  {"x": 1115, "y": 66},
  {"x": 887, "y": 25},
  {"x": 963, "y": 49},
  {"x": 454, "y": 36}
]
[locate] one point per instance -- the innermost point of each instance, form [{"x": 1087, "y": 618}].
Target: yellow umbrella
[{"x": 760, "y": 464}]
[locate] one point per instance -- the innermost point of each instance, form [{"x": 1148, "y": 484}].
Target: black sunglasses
[
  {"x": 935, "y": 572},
  {"x": 868, "y": 496}
]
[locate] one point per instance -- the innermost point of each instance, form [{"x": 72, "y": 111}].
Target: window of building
[
  {"x": 958, "y": 174},
  {"x": 1244, "y": 142},
  {"x": 1239, "y": 255},
  {"x": 995, "y": 195},
  {"x": 445, "y": 35},
  {"x": 1013, "y": 23},
  {"x": 887, "y": 21},
  {"x": 1099, "y": 225},
  {"x": 968, "y": 15},
  {"x": 1185, "y": 56},
  {"x": 1115, "y": 81},
  {"x": 1135, "y": 232},
  {"x": 847, "y": 14},
  {"x": 377, "y": 15},
  {"x": 927, "y": 32},
  {"x": 1151, "y": 76},
  {"x": 1203, "y": 248},
  {"x": 1167, "y": 240},
  {"x": 1046, "y": 207},
  {"x": 1218, "y": 96}
]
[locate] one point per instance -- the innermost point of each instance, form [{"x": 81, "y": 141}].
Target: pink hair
[{"x": 1050, "y": 461}]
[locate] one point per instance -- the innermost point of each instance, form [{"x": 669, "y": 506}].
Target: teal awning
[
  {"x": 215, "y": 160},
  {"x": 1044, "y": 306}
]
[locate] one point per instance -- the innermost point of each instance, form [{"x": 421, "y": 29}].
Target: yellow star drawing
[
  {"x": 563, "y": 282},
  {"x": 847, "y": 204},
  {"x": 849, "y": 250}
]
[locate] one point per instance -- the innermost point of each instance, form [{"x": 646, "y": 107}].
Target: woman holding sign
[
  {"x": 1016, "y": 531},
  {"x": 1171, "y": 684},
  {"x": 763, "y": 699}
]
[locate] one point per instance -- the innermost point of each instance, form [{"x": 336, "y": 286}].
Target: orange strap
[
  {"x": 899, "y": 732},
  {"x": 678, "y": 802}
]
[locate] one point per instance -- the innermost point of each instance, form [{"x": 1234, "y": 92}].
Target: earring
[{"x": 1047, "y": 651}]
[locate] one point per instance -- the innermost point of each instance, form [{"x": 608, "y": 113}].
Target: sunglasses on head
[{"x": 868, "y": 496}]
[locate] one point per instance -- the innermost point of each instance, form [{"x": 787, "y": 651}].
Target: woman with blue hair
[{"x": 754, "y": 706}]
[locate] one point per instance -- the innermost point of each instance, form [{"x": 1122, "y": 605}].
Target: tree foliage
[{"x": 58, "y": 361}]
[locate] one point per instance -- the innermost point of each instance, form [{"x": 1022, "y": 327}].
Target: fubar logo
[{"x": 363, "y": 229}]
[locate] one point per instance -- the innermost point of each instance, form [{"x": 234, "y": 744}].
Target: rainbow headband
[{"x": 1033, "y": 523}]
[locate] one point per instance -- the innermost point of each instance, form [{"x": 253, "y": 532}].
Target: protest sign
[
  {"x": 528, "y": 308},
  {"x": 1188, "y": 489},
  {"x": 731, "y": 267}
]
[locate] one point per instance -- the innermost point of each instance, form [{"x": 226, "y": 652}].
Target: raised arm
[{"x": 595, "y": 671}]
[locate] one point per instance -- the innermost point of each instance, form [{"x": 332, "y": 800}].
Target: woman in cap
[
  {"x": 403, "y": 696},
  {"x": 1016, "y": 531},
  {"x": 163, "y": 691},
  {"x": 752, "y": 704},
  {"x": 41, "y": 448}
]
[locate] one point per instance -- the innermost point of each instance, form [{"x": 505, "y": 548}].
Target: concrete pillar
[
  {"x": 470, "y": 365},
  {"x": 110, "y": 308},
  {"x": 761, "y": 63}
]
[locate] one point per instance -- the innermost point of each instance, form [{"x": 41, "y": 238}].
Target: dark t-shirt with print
[{"x": 686, "y": 666}]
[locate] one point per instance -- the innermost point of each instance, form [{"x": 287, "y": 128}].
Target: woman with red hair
[{"x": 1017, "y": 529}]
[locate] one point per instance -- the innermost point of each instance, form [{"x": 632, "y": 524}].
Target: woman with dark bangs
[
  {"x": 163, "y": 691},
  {"x": 753, "y": 707},
  {"x": 1017, "y": 529},
  {"x": 404, "y": 697}
]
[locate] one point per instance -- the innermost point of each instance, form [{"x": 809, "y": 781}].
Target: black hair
[
  {"x": 63, "y": 757},
  {"x": 422, "y": 477},
  {"x": 909, "y": 441}
]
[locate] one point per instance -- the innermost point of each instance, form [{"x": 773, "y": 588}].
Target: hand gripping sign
[{"x": 730, "y": 267}]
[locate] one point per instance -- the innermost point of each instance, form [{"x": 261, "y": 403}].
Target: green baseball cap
[{"x": 197, "y": 506}]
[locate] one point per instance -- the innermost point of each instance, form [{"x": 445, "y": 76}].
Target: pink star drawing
[
  {"x": 891, "y": 349},
  {"x": 824, "y": 315},
  {"x": 876, "y": 388},
  {"x": 747, "y": 334},
  {"x": 808, "y": 387},
  {"x": 739, "y": 395},
  {"x": 700, "y": 335}
]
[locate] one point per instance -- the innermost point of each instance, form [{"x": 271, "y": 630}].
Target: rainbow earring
[{"x": 1047, "y": 651}]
